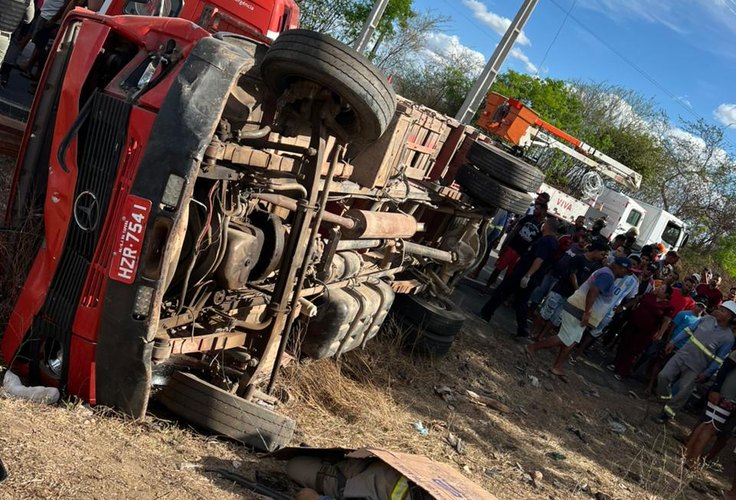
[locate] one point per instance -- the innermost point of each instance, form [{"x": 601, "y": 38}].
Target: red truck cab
[{"x": 263, "y": 19}]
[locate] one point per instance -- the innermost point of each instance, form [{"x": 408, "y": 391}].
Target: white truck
[{"x": 623, "y": 212}]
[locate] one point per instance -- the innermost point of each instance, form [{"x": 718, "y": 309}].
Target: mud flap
[{"x": 183, "y": 129}]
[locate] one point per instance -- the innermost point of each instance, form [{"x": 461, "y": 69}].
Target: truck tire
[
  {"x": 221, "y": 412},
  {"x": 442, "y": 318},
  {"x": 424, "y": 343},
  {"x": 491, "y": 192},
  {"x": 505, "y": 167},
  {"x": 370, "y": 101}
]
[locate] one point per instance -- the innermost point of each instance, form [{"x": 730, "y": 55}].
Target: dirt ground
[
  {"x": 538, "y": 437},
  {"x": 375, "y": 398}
]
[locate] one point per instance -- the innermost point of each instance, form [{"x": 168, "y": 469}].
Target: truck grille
[{"x": 100, "y": 144}]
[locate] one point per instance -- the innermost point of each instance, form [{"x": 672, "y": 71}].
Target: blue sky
[{"x": 684, "y": 50}]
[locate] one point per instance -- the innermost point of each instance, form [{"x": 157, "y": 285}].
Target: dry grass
[
  {"x": 374, "y": 397},
  {"x": 71, "y": 452}
]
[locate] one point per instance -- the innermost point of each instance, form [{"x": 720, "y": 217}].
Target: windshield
[{"x": 671, "y": 234}]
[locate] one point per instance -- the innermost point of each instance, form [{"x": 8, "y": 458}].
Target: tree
[
  {"x": 343, "y": 19},
  {"x": 440, "y": 85}
]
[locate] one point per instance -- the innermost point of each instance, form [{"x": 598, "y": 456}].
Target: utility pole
[
  {"x": 483, "y": 84},
  {"x": 370, "y": 26}
]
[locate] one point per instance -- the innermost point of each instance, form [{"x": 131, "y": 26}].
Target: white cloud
[
  {"x": 726, "y": 114},
  {"x": 443, "y": 47},
  {"x": 518, "y": 54},
  {"x": 498, "y": 24}
]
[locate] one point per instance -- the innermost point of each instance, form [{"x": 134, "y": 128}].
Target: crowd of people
[{"x": 572, "y": 287}]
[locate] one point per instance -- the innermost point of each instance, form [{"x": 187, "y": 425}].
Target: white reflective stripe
[{"x": 272, "y": 34}]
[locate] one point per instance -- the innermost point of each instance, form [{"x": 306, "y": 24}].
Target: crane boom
[{"x": 517, "y": 123}]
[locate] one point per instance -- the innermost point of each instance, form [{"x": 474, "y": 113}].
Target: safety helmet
[{"x": 730, "y": 305}]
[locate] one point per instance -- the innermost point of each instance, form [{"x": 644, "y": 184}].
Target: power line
[
  {"x": 631, "y": 63},
  {"x": 559, "y": 30}
]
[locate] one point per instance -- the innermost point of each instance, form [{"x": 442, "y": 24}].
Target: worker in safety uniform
[
  {"x": 697, "y": 360},
  {"x": 350, "y": 478}
]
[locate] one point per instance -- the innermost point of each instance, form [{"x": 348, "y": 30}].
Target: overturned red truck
[{"x": 208, "y": 200}]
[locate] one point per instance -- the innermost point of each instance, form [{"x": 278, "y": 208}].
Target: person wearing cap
[
  {"x": 697, "y": 360},
  {"x": 585, "y": 308},
  {"x": 711, "y": 291},
  {"x": 568, "y": 273},
  {"x": 526, "y": 276},
  {"x": 624, "y": 293},
  {"x": 649, "y": 321}
]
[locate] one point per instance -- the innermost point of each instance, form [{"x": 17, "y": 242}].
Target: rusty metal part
[
  {"x": 308, "y": 292},
  {"x": 198, "y": 343},
  {"x": 244, "y": 155},
  {"x": 325, "y": 193},
  {"x": 380, "y": 225},
  {"x": 258, "y": 158},
  {"x": 294, "y": 257},
  {"x": 425, "y": 251},
  {"x": 291, "y": 205},
  {"x": 358, "y": 244}
]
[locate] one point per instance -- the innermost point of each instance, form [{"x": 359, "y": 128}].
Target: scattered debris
[
  {"x": 634, "y": 395},
  {"x": 419, "y": 426},
  {"x": 616, "y": 425},
  {"x": 491, "y": 472},
  {"x": 633, "y": 476},
  {"x": 486, "y": 401},
  {"x": 446, "y": 393},
  {"x": 556, "y": 455},
  {"x": 237, "y": 464},
  {"x": 593, "y": 393},
  {"x": 578, "y": 433},
  {"x": 456, "y": 443},
  {"x": 537, "y": 479},
  {"x": 188, "y": 466},
  {"x": 535, "y": 381}
]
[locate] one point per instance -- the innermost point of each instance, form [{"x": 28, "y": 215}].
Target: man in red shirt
[
  {"x": 682, "y": 299},
  {"x": 711, "y": 291}
]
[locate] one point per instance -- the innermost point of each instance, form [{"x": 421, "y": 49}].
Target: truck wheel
[
  {"x": 368, "y": 100},
  {"x": 491, "y": 192},
  {"x": 439, "y": 317},
  {"x": 505, "y": 167},
  {"x": 424, "y": 343},
  {"x": 215, "y": 409}
]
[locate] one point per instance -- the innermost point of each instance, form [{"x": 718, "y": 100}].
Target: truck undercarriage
[{"x": 210, "y": 203}]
